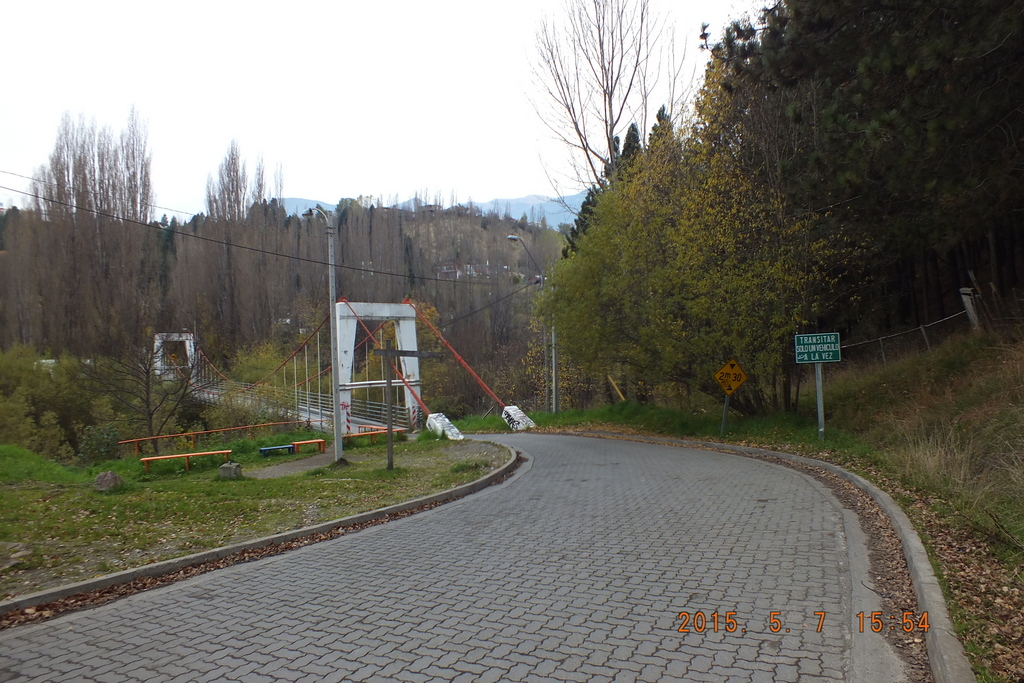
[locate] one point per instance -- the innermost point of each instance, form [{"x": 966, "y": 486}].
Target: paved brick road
[{"x": 575, "y": 570}]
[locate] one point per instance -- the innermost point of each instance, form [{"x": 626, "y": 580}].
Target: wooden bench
[
  {"x": 146, "y": 461},
  {"x": 321, "y": 444},
  {"x": 372, "y": 432},
  {"x": 290, "y": 447}
]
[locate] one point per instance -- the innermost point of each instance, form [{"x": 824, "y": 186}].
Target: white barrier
[
  {"x": 516, "y": 419},
  {"x": 439, "y": 424}
]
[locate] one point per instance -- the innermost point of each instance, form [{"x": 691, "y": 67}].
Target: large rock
[
  {"x": 107, "y": 481},
  {"x": 12, "y": 554},
  {"x": 230, "y": 470}
]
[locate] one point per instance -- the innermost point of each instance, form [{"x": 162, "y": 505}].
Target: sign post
[
  {"x": 818, "y": 348},
  {"x": 390, "y": 354},
  {"x": 730, "y": 377}
]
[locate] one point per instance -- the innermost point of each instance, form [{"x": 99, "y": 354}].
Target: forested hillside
[
  {"x": 88, "y": 272},
  {"x": 847, "y": 167}
]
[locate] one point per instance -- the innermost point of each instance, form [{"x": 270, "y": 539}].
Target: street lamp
[
  {"x": 515, "y": 238},
  {"x": 554, "y": 347},
  {"x": 339, "y": 437}
]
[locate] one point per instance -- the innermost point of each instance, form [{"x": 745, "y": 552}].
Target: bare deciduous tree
[
  {"x": 136, "y": 161},
  {"x": 147, "y": 401},
  {"x": 226, "y": 196},
  {"x": 90, "y": 200},
  {"x": 258, "y": 186},
  {"x": 595, "y": 74}
]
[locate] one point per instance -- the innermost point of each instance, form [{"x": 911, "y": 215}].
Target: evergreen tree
[
  {"x": 582, "y": 223},
  {"x": 632, "y": 147}
]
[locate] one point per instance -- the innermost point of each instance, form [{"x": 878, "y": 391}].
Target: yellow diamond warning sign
[{"x": 731, "y": 376}]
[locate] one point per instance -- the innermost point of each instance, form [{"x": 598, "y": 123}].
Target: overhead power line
[
  {"x": 484, "y": 308},
  {"x": 47, "y": 182},
  {"x": 230, "y": 245}
]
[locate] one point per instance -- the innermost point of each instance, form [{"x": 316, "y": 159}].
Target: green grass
[
  {"x": 646, "y": 417},
  {"x": 475, "y": 424},
  {"x": 19, "y": 465},
  {"x": 74, "y": 532},
  {"x": 469, "y": 466},
  {"x": 785, "y": 428}
]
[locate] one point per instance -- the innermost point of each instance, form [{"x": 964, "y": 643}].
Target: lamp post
[
  {"x": 339, "y": 437},
  {"x": 554, "y": 347}
]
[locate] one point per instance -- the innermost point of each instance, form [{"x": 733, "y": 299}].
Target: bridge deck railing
[{"x": 312, "y": 406}]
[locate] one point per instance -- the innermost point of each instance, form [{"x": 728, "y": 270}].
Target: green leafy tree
[
  {"x": 581, "y": 224},
  {"x": 43, "y": 406},
  {"x": 633, "y": 145},
  {"x": 692, "y": 258}
]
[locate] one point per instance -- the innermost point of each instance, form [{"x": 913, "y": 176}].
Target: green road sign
[{"x": 818, "y": 348}]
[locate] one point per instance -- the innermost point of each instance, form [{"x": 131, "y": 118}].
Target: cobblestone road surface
[{"x": 577, "y": 569}]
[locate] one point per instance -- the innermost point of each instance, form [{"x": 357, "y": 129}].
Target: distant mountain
[
  {"x": 534, "y": 207},
  {"x": 296, "y": 206}
]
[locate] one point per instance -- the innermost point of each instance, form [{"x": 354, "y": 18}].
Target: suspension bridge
[{"x": 301, "y": 385}]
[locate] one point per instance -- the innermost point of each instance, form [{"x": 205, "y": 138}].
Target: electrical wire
[
  {"x": 263, "y": 251},
  {"x": 484, "y": 308},
  {"x": 47, "y": 182},
  {"x": 302, "y": 259}
]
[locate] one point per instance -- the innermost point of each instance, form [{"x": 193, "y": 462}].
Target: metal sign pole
[
  {"x": 725, "y": 415},
  {"x": 821, "y": 401},
  {"x": 389, "y": 355},
  {"x": 387, "y": 403}
]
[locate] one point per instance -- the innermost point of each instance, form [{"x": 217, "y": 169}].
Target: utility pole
[
  {"x": 339, "y": 435},
  {"x": 554, "y": 371}
]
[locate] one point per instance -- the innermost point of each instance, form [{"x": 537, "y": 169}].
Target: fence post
[
  {"x": 882, "y": 347},
  {"x": 925, "y": 335},
  {"x": 967, "y": 295}
]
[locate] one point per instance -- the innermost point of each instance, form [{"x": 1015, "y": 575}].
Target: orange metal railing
[{"x": 192, "y": 435}]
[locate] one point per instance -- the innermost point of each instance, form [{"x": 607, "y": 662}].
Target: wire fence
[
  {"x": 1005, "y": 312},
  {"x": 915, "y": 340}
]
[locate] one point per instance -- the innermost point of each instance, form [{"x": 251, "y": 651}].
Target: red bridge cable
[
  {"x": 293, "y": 353},
  {"x": 283, "y": 363},
  {"x": 455, "y": 353}
]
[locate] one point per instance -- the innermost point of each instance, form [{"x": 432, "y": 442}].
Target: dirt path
[{"x": 294, "y": 467}]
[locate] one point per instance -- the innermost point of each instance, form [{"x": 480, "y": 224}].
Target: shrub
[
  {"x": 99, "y": 443},
  {"x": 452, "y": 406}
]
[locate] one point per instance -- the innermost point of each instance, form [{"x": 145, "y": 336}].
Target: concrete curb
[
  {"x": 945, "y": 651},
  {"x": 170, "y": 566}
]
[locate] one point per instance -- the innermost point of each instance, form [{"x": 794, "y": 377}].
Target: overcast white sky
[{"x": 350, "y": 98}]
